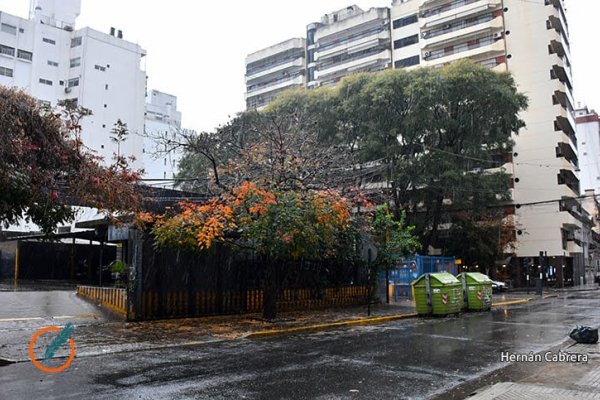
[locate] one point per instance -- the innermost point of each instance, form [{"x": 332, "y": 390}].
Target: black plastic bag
[{"x": 584, "y": 334}]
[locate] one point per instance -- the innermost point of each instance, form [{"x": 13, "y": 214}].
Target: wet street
[{"x": 414, "y": 358}]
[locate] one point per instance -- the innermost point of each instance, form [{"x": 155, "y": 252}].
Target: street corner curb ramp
[{"x": 112, "y": 298}]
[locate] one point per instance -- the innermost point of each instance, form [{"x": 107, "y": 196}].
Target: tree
[
  {"x": 281, "y": 227},
  {"x": 393, "y": 239},
  {"x": 440, "y": 136},
  {"x": 45, "y": 168}
]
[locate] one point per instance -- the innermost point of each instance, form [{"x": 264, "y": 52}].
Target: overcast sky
[{"x": 196, "y": 49}]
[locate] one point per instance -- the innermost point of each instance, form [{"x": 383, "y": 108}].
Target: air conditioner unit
[
  {"x": 497, "y": 35},
  {"x": 67, "y": 90},
  {"x": 427, "y": 54},
  {"x": 424, "y": 35}
]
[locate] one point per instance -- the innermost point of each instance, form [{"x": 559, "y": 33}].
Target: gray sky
[{"x": 196, "y": 49}]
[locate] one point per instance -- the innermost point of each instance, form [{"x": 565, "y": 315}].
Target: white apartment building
[
  {"x": 50, "y": 59},
  {"x": 163, "y": 121},
  {"x": 588, "y": 138},
  {"x": 528, "y": 39},
  {"x": 272, "y": 70},
  {"x": 347, "y": 41}
]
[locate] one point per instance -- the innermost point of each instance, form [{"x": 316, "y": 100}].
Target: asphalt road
[{"x": 405, "y": 359}]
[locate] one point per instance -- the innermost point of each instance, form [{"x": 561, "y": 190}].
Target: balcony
[
  {"x": 564, "y": 25},
  {"x": 561, "y": 73},
  {"x": 288, "y": 66},
  {"x": 460, "y": 32},
  {"x": 353, "y": 63},
  {"x": 564, "y": 122},
  {"x": 287, "y": 81},
  {"x": 566, "y": 151},
  {"x": 568, "y": 177},
  {"x": 351, "y": 44},
  {"x": 487, "y": 48},
  {"x": 560, "y": 92},
  {"x": 573, "y": 207},
  {"x": 455, "y": 11}
]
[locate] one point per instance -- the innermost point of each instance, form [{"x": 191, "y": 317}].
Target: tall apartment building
[
  {"x": 162, "y": 121},
  {"x": 51, "y": 60},
  {"x": 588, "y": 138},
  {"x": 528, "y": 39},
  {"x": 272, "y": 70},
  {"x": 347, "y": 41}
]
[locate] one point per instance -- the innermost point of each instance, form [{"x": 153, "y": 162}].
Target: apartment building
[
  {"x": 588, "y": 138},
  {"x": 347, "y": 41},
  {"x": 50, "y": 59},
  {"x": 273, "y": 70},
  {"x": 163, "y": 121},
  {"x": 527, "y": 38}
]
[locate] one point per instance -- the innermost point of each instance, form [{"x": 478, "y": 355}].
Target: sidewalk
[{"x": 554, "y": 380}]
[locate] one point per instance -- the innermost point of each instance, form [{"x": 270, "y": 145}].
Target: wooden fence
[
  {"x": 113, "y": 298},
  {"x": 156, "y": 304}
]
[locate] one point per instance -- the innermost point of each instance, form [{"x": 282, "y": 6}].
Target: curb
[
  {"x": 365, "y": 321},
  {"x": 508, "y": 303}
]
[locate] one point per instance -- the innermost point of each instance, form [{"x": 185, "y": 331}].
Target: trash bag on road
[{"x": 584, "y": 334}]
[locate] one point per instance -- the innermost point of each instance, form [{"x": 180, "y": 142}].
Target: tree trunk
[{"x": 431, "y": 238}]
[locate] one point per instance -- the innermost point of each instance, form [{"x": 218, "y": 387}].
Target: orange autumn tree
[{"x": 281, "y": 227}]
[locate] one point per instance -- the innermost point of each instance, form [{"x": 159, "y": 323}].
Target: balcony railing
[{"x": 460, "y": 48}]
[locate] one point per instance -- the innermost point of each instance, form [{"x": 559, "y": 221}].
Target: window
[
  {"x": 76, "y": 41},
  {"x": 49, "y": 41},
  {"x": 407, "y": 41},
  {"x": 399, "y": 23},
  {"x": 52, "y": 63},
  {"x": 73, "y": 82},
  {"x": 45, "y": 82},
  {"x": 7, "y": 51},
  {"x": 75, "y": 62},
  {"x": 100, "y": 67},
  {"x": 6, "y": 72},
  {"x": 25, "y": 55},
  {"x": 407, "y": 62},
  {"x": 44, "y": 103},
  {"x": 8, "y": 29},
  {"x": 106, "y": 87}
]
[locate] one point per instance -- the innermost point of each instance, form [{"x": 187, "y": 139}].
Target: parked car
[{"x": 498, "y": 286}]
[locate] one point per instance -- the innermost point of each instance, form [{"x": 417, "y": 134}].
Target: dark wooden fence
[{"x": 178, "y": 284}]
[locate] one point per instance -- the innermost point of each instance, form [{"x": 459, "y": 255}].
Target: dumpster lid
[
  {"x": 442, "y": 277},
  {"x": 476, "y": 276}
]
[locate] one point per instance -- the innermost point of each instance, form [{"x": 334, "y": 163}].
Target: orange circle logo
[{"x": 41, "y": 367}]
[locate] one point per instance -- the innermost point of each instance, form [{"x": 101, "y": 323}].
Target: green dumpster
[
  {"x": 437, "y": 293},
  {"x": 477, "y": 290}
]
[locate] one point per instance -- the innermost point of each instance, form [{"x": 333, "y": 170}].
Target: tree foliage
[
  {"x": 45, "y": 168},
  {"x": 430, "y": 143}
]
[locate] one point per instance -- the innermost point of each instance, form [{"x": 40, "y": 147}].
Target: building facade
[
  {"x": 588, "y": 137},
  {"x": 272, "y": 70},
  {"x": 347, "y": 41},
  {"x": 528, "y": 39},
  {"x": 47, "y": 57},
  {"x": 163, "y": 122}
]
